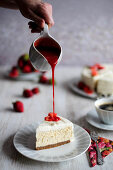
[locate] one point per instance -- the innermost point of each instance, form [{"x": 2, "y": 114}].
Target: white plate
[
  {"x": 93, "y": 119},
  {"x": 73, "y": 85},
  {"x": 24, "y": 142}
]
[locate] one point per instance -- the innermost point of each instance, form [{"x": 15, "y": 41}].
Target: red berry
[
  {"x": 18, "y": 106},
  {"x": 57, "y": 119},
  {"x": 52, "y": 114},
  {"x": 20, "y": 62},
  {"x": 27, "y": 69},
  {"x": 14, "y": 72},
  {"x": 48, "y": 118},
  {"x": 94, "y": 72},
  {"x": 100, "y": 67},
  {"x": 97, "y": 67},
  {"x": 81, "y": 85},
  {"x": 87, "y": 90},
  {"x": 43, "y": 79},
  {"x": 35, "y": 90},
  {"x": 27, "y": 93},
  {"x": 29, "y": 63},
  {"x": 52, "y": 117}
]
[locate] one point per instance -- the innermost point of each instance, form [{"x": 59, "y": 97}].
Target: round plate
[
  {"x": 93, "y": 119},
  {"x": 73, "y": 85},
  {"x": 24, "y": 142}
]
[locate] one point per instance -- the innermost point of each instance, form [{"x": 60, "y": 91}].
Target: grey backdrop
[{"x": 84, "y": 28}]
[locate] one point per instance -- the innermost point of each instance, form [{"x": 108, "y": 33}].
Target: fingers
[
  {"x": 38, "y": 20},
  {"x": 34, "y": 27},
  {"x": 35, "y": 30},
  {"x": 41, "y": 15},
  {"x": 46, "y": 13}
]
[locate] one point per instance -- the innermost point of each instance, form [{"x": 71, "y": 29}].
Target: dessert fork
[{"x": 94, "y": 137}]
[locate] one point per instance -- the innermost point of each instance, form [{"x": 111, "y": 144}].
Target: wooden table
[{"x": 67, "y": 104}]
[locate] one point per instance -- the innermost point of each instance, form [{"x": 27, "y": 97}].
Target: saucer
[{"x": 93, "y": 119}]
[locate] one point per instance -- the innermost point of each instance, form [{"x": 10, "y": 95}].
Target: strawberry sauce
[{"x": 51, "y": 52}]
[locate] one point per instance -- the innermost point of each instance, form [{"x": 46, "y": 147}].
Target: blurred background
[{"x": 84, "y": 28}]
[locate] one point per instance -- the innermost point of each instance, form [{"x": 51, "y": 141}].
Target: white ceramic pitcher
[{"x": 37, "y": 59}]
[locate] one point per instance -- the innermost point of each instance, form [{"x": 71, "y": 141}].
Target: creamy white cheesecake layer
[
  {"x": 50, "y": 132},
  {"x": 90, "y": 80},
  {"x": 105, "y": 84},
  {"x": 52, "y": 125},
  {"x": 54, "y": 137}
]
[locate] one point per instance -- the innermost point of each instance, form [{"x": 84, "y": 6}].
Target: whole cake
[
  {"x": 99, "y": 78},
  {"x": 53, "y": 132}
]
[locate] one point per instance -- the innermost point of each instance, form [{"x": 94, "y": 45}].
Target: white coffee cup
[{"x": 104, "y": 115}]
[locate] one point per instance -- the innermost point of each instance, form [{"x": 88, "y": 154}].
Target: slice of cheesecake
[{"x": 54, "y": 132}]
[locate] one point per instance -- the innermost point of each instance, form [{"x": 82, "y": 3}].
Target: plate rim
[
  {"x": 22, "y": 75},
  {"x": 66, "y": 159},
  {"x": 106, "y": 128}
]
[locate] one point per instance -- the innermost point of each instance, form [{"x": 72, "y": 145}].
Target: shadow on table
[
  {"x": 83, "y": 123},
  {"x": 12, "y": 154},
  {"x": 8, "y": 110}
]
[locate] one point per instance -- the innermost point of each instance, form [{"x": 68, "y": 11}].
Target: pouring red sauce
[{"x": 51, "y": 52}]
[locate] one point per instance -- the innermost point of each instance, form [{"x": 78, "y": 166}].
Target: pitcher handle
[{"x": 45, "y": 30}]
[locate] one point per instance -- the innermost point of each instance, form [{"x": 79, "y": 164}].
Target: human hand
[{"x": 37, "y": 11}]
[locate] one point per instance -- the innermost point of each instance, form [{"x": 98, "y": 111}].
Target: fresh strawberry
[
  {"x": 57, "y": 119},
  {"x": 27, "y": 93},
  {"x": 52, "y": 117},
  {"x": 100, "y": 67},
  {"x": 20, "y": 62},
  {"x": 35, "y": 90},
  {"x": 27, "y": 69},
  {"x": 52, "y": 114},
  {"x": 29, "y": 63},
  {"x": 97, "y": 67},
  {"x": 14, "y": 72},
  {"x": 87, "y": 90},
  {"x": 81, "y": 85},
  {"x": 24, "y": 65},
  {"x": 48, "y": 118},
  {"x": 94, "y": 72},
  {"x": 43, "y": 79},
  {"x": 18, "y": 106}
]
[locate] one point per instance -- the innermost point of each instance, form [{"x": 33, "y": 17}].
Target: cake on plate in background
[{"x": 98, "y": 78}]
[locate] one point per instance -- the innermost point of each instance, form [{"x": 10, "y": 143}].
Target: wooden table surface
[{"x": 67, "y": 104}]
